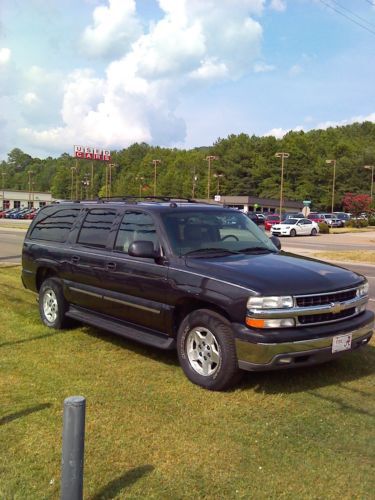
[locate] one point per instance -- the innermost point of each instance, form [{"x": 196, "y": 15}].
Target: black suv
[{"x": 200, "y": 278}]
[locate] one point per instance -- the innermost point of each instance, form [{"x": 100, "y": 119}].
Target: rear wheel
[
  {"x": 52, "y": 304},
  {"x": 206, "y": 350},
  {"x": 314, "y": 232},
  {"x": 293, "y": 232}
]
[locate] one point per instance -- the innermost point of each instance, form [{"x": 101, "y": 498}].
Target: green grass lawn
[{"x": 150, "y": 433}]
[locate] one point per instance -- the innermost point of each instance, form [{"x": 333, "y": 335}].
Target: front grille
[
  {"x": 322, "y": 318},
  {"x": 318, "y": 300}
]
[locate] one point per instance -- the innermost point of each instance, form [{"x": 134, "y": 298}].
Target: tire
[
  {"x": 206, "y": 350},
  {"x": 314, "y": 232},
  {"x": 52, "y": 304},
  {"x": 293, "y": 233}
]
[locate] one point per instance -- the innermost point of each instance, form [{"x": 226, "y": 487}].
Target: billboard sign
[{"x": 88, "y": 153}]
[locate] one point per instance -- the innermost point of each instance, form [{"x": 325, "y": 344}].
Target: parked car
[
  {"x": 257, "y": 218},
  {"x": 295, "y": 227},
  {"x": 345, "y": 217},
  {"x": 32, "y": 213},
  {"x": 292, "y": 215},
  {"x": 270, "y": 221},
  {"x": 332, "y": 221},
  {"x": 180, "y": 275},
  {"x": 315, "y": 217}
]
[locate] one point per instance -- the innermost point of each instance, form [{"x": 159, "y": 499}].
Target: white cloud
[
  {"x": 114, "y": 28},
  {"x": 280, "y": 132},
  {"x": 348, "y": 121},
  {"x": 30, "y": 98},
  {"x": 4, "y": 55},
  {"x": 196, "y": 41},
  {"x": 279, "y": 5},
  {"x": 295, "y": 70},
  {"x": 262, "y": 67}
]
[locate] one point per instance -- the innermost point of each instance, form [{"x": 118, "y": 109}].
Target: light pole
[
  {"x": 371, "y": 167},
  {"x": 333, "y": 162},
  {"x": 140, "y": 179},
  {"x": 209, "y": 159},
  {"x": 155, "y": 163},
  {"x": 30, "y": 173},
  {"x": 195, "y": 178},
  {"x": 282, "y": 155},
  {"x": 72, "y": 170},
  {"x": 3, "y": 174},
  {"x": 218, "y": 177},
  {"x": 110, "y": 167}
]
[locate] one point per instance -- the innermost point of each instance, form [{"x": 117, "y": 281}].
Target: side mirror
[
  {"x": 275, "y": 240},
  {"x": 142, "y": 248}
]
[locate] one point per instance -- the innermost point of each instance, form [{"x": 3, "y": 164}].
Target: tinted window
[
  {"x": 135, "y": 226},
  {"x": 96, "y": 227},
  {"x": 54, "y": 224}
]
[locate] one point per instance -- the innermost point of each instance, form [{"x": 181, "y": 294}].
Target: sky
[{"x": 179, "y": 73}]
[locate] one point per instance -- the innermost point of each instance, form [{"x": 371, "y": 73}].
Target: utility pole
[
  {"x": 110, "y": 167},
  {"x": 282, "y": 155},
  {"x": 140, "y": 179},
  {"x": 209, "y": 159},
  {"x": 368, "y": 167},
  {"x": 333, "y": 162},
  {"x": 155, "y": 163}
]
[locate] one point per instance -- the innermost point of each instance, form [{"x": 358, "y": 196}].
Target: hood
[{"x": 276, "y": 274}]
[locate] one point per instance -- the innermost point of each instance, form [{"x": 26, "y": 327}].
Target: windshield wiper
[
  {"x": 214, "y": 250},
  {"x": 255, "y": 250}
]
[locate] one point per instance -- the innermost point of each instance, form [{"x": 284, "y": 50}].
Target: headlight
[
  {"x": 363, "y": 289},
  {"x": 270, "y": 302}
]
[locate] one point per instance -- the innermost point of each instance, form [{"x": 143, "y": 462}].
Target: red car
[
  {"x": 270, "y": 221},
  {"x": 315, "y": 217}
]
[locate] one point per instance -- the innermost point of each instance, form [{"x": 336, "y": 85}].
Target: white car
[{"x": 295, "y": 227}]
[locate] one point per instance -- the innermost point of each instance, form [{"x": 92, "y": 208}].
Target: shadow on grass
[
  {"x": 343, "y": 405},
  {"x": 114, "y": 487},
  {"x": 166, "y": 357},
  {"x": 23, "y": 341},
  {"x": 23, "y": 413},
  {"x": 346, "y": 368}
]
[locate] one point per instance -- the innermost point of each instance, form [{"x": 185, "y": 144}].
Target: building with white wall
[{"x": 10, "y": 198}]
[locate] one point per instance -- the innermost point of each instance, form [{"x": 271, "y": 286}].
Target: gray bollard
[{"x": 73, "y": 448}]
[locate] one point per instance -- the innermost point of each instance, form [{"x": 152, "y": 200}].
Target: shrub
[
  {"x": 357, "y": 223},
  {"x": 323, "y": 228}
]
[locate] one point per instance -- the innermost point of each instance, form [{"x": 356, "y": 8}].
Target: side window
[
  {"x": 54, "y": 224},
  {"x": 96, "y": 227},
  {"x": 135, "y": 226}
]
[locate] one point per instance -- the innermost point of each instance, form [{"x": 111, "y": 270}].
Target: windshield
[{"x": 226, "y": 230}]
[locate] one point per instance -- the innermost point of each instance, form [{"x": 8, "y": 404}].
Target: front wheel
[
  {"x": 52, "y": 304},
  {"x": 206, "y": 350},
  {"x": 293, "y": 232}
]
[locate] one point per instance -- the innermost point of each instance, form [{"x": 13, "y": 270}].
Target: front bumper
[{"x": 260, "y": 356}]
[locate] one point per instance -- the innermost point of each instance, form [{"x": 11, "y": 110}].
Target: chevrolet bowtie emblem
[{"x": 335, "y": 307}]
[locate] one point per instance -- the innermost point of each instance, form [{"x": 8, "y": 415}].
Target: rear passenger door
[
  {"x": 88, "y": 257},
  {"x": 136, "y": 287}
]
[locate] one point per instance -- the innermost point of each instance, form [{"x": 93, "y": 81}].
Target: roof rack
[{"x": 145, "y": 198}]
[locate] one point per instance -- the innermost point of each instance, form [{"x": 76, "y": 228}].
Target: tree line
[{"x": 243, "y": 165}]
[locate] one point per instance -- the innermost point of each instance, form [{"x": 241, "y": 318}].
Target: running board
[{"x": 133, "y": 332}]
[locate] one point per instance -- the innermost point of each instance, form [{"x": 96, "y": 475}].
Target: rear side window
[
  {"x": 96, "y": 227},
  {"x": 54, "y": 224}
]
